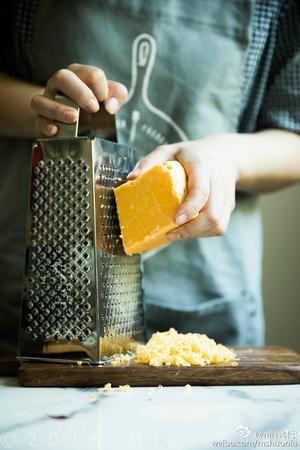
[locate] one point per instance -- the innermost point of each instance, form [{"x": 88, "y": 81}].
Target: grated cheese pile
[{"x": 171, "y": 348}]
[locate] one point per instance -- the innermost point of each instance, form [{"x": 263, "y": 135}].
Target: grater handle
[{"x": 69, "y": 130}]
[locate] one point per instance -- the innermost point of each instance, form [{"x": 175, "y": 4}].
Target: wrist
[{"x": 241, "y": 162}]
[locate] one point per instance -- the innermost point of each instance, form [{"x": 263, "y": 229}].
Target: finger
[
  {"x": 112, "y": 93},
  {"x": 72, "y": 86},
  {"x": 211, "y": 221},
  {"x": 198, "y": 175},
  {"x": 94, "y": 78},
  {"x": 118, "y": 95},
  {"x": 53, "y": 110},
  {"x": 160, "y": 155},
  {"x": 46, "y": 127}
]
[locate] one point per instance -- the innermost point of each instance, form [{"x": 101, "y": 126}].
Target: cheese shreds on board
[
  {"x": 108, "y": 388},
  {"x": 124, "y": 388},
  {"x": 122, "y": 359},
  {"x": 171, "y": 348},
  {"x": 147, "y": 205}
]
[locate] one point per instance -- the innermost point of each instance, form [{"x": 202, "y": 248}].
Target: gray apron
[{"x": 183, "y": 62}]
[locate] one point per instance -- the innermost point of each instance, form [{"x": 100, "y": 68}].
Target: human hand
[
  {"x": 87, "y": 86},
  {"x": 212, "y": 174}
]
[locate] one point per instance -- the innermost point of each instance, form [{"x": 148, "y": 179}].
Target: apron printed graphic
[{"x": 143, "y": 119}]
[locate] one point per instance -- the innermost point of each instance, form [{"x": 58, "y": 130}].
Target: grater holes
[
  {"x": 87, "y": 332},
  {"x": 86, "y": 306},
  {"x": 63, "y": 331},
  {"x": 69, "y": 337},
  {"x": 56, "y": 337},
  {"x": 47, "y": 336},
  {"x": 87, "y": 319},
  {"x": 56, "y": 243},
  {"x": 35, "y": 324}
]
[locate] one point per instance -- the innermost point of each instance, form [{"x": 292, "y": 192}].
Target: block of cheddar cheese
[{"x": 147, "y": 205}]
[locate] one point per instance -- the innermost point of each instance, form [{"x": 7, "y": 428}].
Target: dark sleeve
[
  {"x": 6, "y": 35},
  {"x": 281, "y": 106}
]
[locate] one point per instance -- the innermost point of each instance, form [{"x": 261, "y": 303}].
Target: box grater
[{"x": 82, "y": 296}]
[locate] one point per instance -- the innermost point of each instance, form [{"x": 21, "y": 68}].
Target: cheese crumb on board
[
  {"x": 187, "y": 388},
  {"x": 171, "y": 348},
  {"x": 147, "y": 205},
  {"x": 124, "y": 388},
  {"x": 92, "y": 398},
  {"x": 108, "y": 388}
]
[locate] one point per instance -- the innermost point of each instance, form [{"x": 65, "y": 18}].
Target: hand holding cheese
[{"x": 211, "y": 170}]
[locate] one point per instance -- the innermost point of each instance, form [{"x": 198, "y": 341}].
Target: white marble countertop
[{"x": 149, "y": 418}]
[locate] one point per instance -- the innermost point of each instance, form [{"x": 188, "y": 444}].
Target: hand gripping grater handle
[{"x": 82, "y": 296}]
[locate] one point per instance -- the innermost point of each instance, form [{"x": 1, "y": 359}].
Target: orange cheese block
[{"x": 147, "y": 205}]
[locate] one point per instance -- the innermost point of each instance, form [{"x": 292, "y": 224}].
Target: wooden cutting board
[{"x": 263, "y": 365}]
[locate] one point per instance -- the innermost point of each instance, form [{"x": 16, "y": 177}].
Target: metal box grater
[{"x": 82, "y": 294}]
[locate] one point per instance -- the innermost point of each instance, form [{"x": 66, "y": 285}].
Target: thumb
[{"x": 160, "y": 155}]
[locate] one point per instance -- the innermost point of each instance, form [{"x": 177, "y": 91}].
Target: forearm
[
  {"x": 16, "y": 117},
  {"x": 267, "y": 160}
]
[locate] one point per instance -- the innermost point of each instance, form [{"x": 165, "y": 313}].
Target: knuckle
[
  {"x": 192, "y": 209},
  {"x": 83, "y": 97},
  {"x": 34, "y": 102},
  {"x": 99, "y": 73},
  {"x": 143, "y": 162},
  {"x": 61, "y": 74},
  {"x": 202, "y": 195},
  {"x": 73, "y": 66},
  {"x": 220, "y": 228},
  {"x": 213, "y": 220},
  {"x": 187, "y": 232},
  {"x": 97, "y": 76},
  {"x": 56, "y": 111},
  {"x": 161, "y": 149}
]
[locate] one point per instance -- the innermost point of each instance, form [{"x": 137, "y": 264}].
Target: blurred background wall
[{"x": 281, "y": 214}]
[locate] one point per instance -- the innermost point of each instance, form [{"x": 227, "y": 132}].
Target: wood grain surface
[{"x": 256, "y": 365}]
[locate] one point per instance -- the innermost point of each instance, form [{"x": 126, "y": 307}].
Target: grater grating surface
[
  {"x": 57, "y": 290},
  {"x": 120, "y": 312}
]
